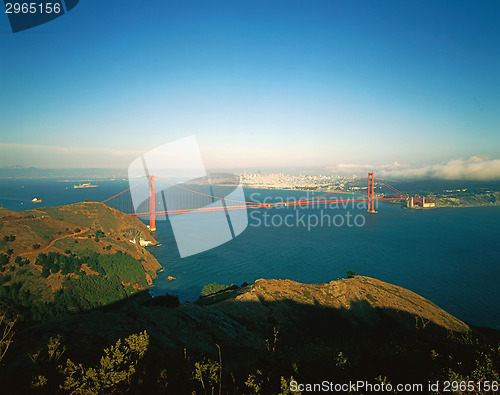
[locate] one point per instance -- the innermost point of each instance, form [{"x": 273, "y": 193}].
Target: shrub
[
  {"x": 5, "y": 278},
  {"x": 208, "y": 373},
  {"x": 45, "y": 272},
  {"x": 214, "y": 288},
  {"x": 114, "y": 372},
  {"x": 4, "y": 259},
  {"x": 6, "y": 325}
]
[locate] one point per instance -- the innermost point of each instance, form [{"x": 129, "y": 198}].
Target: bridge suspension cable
[
  {"x": 203, "y": 194},
  {"x": 391, "y": 187},
  {"x": 122, "y": 192}
]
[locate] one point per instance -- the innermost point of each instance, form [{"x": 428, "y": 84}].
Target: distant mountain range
[{"x": 18, "y": 171}]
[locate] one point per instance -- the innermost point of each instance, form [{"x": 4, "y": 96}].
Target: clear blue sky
[{"x": 260, "y": 83}]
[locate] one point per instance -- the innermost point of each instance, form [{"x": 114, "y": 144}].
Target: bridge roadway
[{"x": 262, "y": 205}]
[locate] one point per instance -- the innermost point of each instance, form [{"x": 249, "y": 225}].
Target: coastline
[
  {"x": 320, "y": 191},
  {"x": 470, "y": 206}
]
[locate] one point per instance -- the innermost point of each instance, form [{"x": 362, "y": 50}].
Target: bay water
[{"x": 448, "y": 255}]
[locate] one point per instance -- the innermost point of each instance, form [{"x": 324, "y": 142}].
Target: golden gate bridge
[{"x": 188, "y": 200}]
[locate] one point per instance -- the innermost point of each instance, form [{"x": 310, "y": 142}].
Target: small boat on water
[
  {"x": 36, "y": 200},
  {"x": 87, "y": 185}
]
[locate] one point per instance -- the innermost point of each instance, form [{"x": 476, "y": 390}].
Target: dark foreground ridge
[{"x": 254, "y": 339}]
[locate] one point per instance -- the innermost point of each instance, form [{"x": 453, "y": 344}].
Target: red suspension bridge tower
[
  {"x": 152, "y": 208},
  {"x": 371, "y": 194}
]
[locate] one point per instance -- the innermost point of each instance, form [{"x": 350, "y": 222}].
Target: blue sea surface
[{"x": 449, "y": 255}]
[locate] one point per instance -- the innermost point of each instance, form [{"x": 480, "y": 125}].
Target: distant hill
[
  {"x": 468, "y": 199},
  {"x": 13, "y": 167},
  {"x": 71, "y": 258},
  {"x": 18, "y": 171},
  {"x": 271, "y": 332}
]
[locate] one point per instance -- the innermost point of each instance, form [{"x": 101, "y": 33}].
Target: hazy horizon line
[{"x": 474, "y": 168}]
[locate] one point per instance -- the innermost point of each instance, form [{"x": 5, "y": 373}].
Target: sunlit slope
[{"x": 86, "y": 252}]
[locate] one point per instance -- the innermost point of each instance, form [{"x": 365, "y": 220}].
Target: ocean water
[{"x": 450, "y": 256}]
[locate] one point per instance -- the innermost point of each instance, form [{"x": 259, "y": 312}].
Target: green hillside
[{"x": 55, "y": 260}]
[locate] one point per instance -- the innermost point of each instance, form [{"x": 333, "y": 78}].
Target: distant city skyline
[
  {"x": 474, "y": 168},
  {"x": 405, "y": 88}
]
